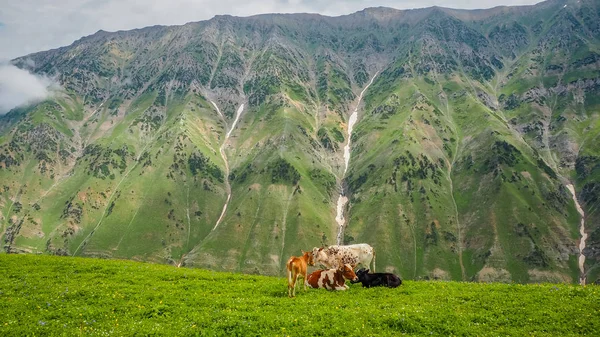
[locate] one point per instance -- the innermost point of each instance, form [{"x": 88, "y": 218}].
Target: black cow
[{"x": 377, "y": 279}]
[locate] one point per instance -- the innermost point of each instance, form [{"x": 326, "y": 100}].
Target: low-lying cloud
[{"x": 19, "y": 87}]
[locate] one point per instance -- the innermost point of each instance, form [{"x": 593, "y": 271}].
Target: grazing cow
[
  {"x": 332, "y": 279},
  {"x": 354, "y": 255},
  {"x": 377, "y": 279},
  {"x": 296, "y": 266}
]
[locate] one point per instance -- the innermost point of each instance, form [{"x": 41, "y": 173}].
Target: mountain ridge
[{"x": 492, "y": 107}]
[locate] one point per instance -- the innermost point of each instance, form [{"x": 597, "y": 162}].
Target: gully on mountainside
[
  {"x": 226, "y": 161},
  {"x": 581, "y": 258},
  {"x": 342, "y": 199},
  {"x": 224, "y": 156}
]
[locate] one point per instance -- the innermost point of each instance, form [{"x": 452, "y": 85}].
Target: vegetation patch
[
  {"x": 283, "y": 172},
  {"x": 323, "y": 178},
  {"x": 200, "y": 164},
  {"x": 101, "y": 160}
]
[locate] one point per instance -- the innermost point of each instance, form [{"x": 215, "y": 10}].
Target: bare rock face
[
  {"x": 488, "y": 274},
  {"x": 542, "y": 276},
  {"x": 439, "y": 274},
  {"x": 592, "y": 248},
  {"x": 488, "y": 100},
  {"x": 534, "y": 95},
  {"x": 568, "y": 150}
]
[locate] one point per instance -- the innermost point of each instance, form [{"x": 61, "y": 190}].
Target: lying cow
[
  {"x": 377, "y": 279},
  {"x": 353, "y": 255},
  {"x": 332, "y": 279}
]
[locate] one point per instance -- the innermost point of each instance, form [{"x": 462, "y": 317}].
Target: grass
[{"x": 59, "y": 296}]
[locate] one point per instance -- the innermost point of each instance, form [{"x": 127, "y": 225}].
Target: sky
[{"x": 28, "y": 26}]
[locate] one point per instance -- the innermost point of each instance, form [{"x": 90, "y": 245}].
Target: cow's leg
[
  {"x": 304, "y": 277},
  {"x": 290, "y": 284},
  {"x": 342, "y": 287},
  {"x": 295, "y": 283},
  {"x": 373, "y": 261}
]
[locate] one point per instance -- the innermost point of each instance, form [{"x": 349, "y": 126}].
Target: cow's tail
[{"x": 373, "y": 260}]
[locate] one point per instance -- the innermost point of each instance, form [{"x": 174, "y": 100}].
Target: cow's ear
[
  {"x": 303, "y": 252},
  {"x": 368, "y": 271}
]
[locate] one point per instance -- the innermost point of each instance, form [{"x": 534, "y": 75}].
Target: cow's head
[
  {"x": 360, "y": 274},
  {"x": 348, "y": 272},
  {"x": 319, "y": 254},
  {"x": 309, "y": 257}
]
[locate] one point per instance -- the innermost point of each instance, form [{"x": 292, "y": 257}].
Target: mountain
[{"x": 220, "y": 144}]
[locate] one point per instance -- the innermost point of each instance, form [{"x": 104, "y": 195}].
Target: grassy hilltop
[{"x": 58, "y": 296}]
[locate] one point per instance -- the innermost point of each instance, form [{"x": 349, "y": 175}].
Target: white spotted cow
[{"x": 334, "y": 256}]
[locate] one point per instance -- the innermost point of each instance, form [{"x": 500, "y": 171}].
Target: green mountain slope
[{"x": 474, "y": 125}]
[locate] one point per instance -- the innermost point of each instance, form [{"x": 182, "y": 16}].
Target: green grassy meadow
[{"x": 63, "y": 296}]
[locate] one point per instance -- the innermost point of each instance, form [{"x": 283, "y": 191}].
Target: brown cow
[
  {"x": 296, "y": 266},
  {"x": 332, "y": 279}
]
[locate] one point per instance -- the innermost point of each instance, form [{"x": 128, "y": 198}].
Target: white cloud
[
  {"x": 34, "y": 25},
  {"x": 19, "y": 87}
]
